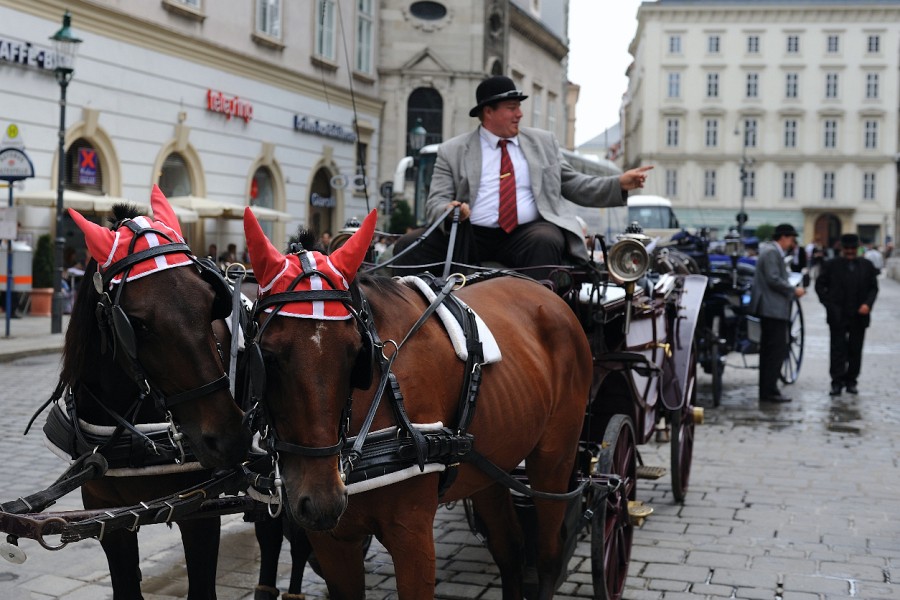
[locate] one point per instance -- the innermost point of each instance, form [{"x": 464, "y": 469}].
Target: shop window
[
  {"x": 83, "y": 170},
  {"x": 175, "y": 178},
  {"x": 262, "y": 193}
]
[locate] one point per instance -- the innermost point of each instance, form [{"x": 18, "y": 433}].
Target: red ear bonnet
[
  {"x": 109, "y": 247},
  {"x": 275, "y": 272}
]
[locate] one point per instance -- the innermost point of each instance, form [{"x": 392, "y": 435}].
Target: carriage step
[
  {"x": 647, "y": 472},
  {"x": 638, "y": 512}
]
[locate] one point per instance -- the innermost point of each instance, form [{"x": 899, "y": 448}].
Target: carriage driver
[{"x": 511, "y": 184}]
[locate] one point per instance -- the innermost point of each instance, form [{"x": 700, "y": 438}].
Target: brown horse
[
  {"x": 140, "y": 349},
  {"x": 530, "y": 407}
]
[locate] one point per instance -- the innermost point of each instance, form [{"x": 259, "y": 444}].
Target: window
[
  {"x": 325, "y": 22},
  {"x": 828, "y": 185},
  {"x": 871, "y": 135},
  {"x": 428, "y": 11},
  {"x": 752, "y": 44},
  {"x": 868, "y": 185},
  {"x": 793, "y": 44},
  {"x": 268, "y": 17},
  {"x": 674, "y": 85},
  {"x": 364, "y": 20},
  {"x": 674, "y": 44},
  {"x": 551, "y": 112},
  {"x": 712, "y": 133},
  {"x": 750, "y": 133},
  {"x": 537, "y": 108},
  {"x": 790, "y": 133},
  {"x": 831, "y": 85},
  {"x": 709, "y": 183},
  {"x": 712, "y": 85},
  {"x": 871, "y": 85},
  {"x": 262, "y": 193},
  {"x": 84, "y": 173},
  {"x": 748, "y": 186},
  {"x": 192, "y": 3},
  {"x": 791, "y": 81},
  {"x": 428, "y": 105},
  {"x": 175, "y": 179},
  {"x": 874, "y": 44},
  {"x": 788, "y": 181},
  {"x": 752, "y": 85},
  {"x": 833, "y": 44},
  {"x": 672, "y": 133},
  {"x": 671, "y": 183},
  {"x": 713, "y": 43},
  {"x": 830, "y": 133}
]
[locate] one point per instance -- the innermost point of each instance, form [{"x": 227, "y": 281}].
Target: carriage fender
[{"x": 690, "y": 299}]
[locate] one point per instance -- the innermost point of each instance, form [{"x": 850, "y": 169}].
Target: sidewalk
[{"x": 29, "y": 336}]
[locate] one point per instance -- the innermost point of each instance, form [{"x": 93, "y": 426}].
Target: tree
[
  {"x": 42, "y": 263},
  {"x": 401, "y": 218},
  {"x": 765, "y": 231}
]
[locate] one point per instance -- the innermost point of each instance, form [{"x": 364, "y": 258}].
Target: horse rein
[{"x": 114, "y": 322}]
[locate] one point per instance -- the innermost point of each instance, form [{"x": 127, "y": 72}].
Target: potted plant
[{"x": 42, "y": 277}]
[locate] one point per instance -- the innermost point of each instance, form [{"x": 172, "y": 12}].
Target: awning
[
  {"x": 269, "y": 214},
  {"x": 206, "y": 207},
  {"x": 90, "y": 203}
]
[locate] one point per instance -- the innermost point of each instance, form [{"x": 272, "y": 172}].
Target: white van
[{"x": 654, "y": 214}]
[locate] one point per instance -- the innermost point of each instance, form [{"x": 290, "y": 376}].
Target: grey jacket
[
  {"x": 457, "y": 176},
  {"x": 772, "y": 292}
]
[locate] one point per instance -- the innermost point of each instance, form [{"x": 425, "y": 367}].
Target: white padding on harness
[
  {"x": 489, "y": 346},
  {"x": 590, "y": 294},
  {"x": 128, "y": 471},
  {"x": 404, "y": 474}
]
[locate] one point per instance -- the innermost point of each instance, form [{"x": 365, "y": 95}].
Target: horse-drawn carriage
[{"x": 371, "y": 417}]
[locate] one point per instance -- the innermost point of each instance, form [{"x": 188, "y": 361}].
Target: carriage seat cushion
[{"x": 488, "y": 344}]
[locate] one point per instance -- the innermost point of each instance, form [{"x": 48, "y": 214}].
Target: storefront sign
[
  {"x": 230, "y": 107},
  {"x": 322, "y": 201},
  {"x": 27, "y": 54},
  {"x": 15, "y": 164},
  {"x": 329, "y": 130},
  {"x": 87, "y": 166}
]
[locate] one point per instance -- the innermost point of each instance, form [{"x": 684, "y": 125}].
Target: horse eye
[{"x": 139, "y": 326}]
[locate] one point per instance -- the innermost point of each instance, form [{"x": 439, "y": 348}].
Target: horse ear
[
  {"x": 266, "y": 260},
  {"x": 162, "y": 210},
  {"x": 349, "y": 257},
  {"x": 99, "y": 239}
]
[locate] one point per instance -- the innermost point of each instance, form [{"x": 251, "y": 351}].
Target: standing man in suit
[
  {"x": 847, "y": 286},
  {"x": 771, "y": 300},
  {"x": 510, "y": 184}
]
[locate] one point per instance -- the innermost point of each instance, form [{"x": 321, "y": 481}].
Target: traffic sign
[{"x": 386, "y": 189}]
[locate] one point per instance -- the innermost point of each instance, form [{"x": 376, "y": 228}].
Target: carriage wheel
[
  {"x": 611, "y": 528},
  {"x": 716, "y": 360},
  {"x": 682, "y": 436},
  {"x": 790, "y": 370}
]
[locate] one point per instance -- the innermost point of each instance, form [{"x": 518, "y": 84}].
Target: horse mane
[{"x": 81, "y": 350}]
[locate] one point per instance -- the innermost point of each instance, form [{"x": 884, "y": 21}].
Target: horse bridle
[{"x": 116, "y": 329}]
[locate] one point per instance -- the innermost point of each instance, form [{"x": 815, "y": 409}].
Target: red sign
[{"x": 230, "y": 107}]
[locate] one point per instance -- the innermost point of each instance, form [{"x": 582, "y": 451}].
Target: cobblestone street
[{"x": 786, "y": 502}]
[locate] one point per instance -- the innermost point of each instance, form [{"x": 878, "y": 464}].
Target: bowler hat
[
  {"x": 785, "y": 229},
  {"x": 850, "y": 240},
  {"x": 495, "y": 89}
]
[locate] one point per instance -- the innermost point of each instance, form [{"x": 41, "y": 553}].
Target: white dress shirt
[{"x": 487, "y": 200}]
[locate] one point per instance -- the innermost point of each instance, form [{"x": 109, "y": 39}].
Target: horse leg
[
  {"x": 300, "y": 551},
  {"x": 200, "y": 538},
  {"x": 121, "y": 548},
  {"x": 268, "y": 537},
  {"x": 550, "y": 515},
  {"x": 505, "y": 540},
  {"x": 342, "y": 565},
  {"x": 407, "y": 532}
]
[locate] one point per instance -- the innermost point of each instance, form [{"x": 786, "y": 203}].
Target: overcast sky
[{"x": 599, "y": 34}]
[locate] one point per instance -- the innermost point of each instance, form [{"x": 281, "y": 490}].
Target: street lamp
[
  {"x": 66, "y": 46},
  {"x": 417, "y": 137},
  {"x": 746, "y": 162}
]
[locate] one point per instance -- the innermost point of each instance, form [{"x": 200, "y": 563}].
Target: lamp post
[
  {"x": 417, "y": 136},
  {"x": 66, "y": 46},
  {"x": 746, "y": 162}
]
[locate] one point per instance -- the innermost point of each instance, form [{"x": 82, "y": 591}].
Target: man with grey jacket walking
[{"x": 771, "y": 300}]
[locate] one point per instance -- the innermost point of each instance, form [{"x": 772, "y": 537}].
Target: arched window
[
  {"x": 262, "y": 193},
  {"x": 322, "y": 202},
  {"x": 83, "y": 170},
  {"x": 175, "y": 178},
  {"x": 425, "y": 104}
]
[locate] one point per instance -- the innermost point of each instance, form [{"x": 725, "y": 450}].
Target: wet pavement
[{"x": 786, "y": 502}]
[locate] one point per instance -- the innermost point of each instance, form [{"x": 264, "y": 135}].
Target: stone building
[{"x": 787, "y": 108}]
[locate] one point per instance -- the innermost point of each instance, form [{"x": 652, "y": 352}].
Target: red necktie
[{"x": 508, "y": 213}]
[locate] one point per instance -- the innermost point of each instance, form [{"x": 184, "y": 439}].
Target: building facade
[
  {"x": 785, "y": 110},
  {"x": 223, "y": 103}
]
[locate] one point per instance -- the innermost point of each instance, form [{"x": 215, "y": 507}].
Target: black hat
[
  {"x": 495, "y": 89},
  {"x": 850, "y": 240},
  {"x": 785, "y": 229}
]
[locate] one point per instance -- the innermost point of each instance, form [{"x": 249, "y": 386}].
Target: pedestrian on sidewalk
[
  {"x": 847, "y": 286},
  {"x": 771, "y": 300}
]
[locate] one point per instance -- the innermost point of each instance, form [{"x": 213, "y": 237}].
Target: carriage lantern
[{"x": 734, "y": 247}]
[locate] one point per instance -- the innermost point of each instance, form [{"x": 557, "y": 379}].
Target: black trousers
[
  {"x": 773, "y": 350},
  {"x": 535, "y": 244},
  {"x": 846, "y": 351}
]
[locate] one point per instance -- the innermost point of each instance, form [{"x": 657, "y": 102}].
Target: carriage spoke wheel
[
  {"x": 611, "y": 528},
  {"x": 790, "y": 370},
  {"x": 682, "y": 436}
]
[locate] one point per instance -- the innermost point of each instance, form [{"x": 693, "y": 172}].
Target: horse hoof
[{"x": 265, "y": 592}]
